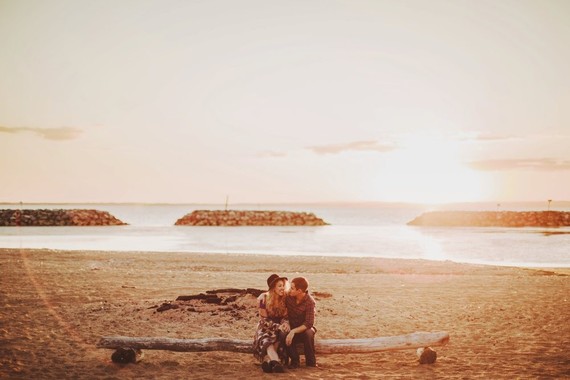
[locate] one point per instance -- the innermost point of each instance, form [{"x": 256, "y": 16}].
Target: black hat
[{"x": 271, "y": 280}]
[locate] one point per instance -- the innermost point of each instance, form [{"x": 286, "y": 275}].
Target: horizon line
[{"x": 329, "y": 203}]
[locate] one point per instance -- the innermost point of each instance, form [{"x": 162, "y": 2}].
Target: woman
[{"x": 269, "y": 342}]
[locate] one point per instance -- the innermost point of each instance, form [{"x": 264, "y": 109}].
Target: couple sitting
[{"x": 286, "y": 318}]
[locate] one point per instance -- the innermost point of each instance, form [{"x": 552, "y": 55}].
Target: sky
[{"x": 284, "y": 101}]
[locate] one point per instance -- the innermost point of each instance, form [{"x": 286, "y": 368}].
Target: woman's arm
[{"x": 261, "y": 305}]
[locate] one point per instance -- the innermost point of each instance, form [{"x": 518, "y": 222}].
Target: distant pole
[
  {"x": 498, "y": 206},
  {"x": 227, "y": 196},
  {"x": 549, "y": 201}
]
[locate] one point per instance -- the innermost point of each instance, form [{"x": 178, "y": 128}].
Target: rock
[
  {"x": 127, "y": 355},
  {"x": 249, "y": 218},
  {"x": 57, "y": 217},
  {"x": 493, "y": 219},
  {"x": 167, "y": 306},
  {"x": 426, "y": 355}
]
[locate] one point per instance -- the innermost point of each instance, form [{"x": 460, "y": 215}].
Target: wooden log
[
  {"x": 323, "y": 346},
  {"x": 202, "y": 296},
  {"x": 179, "y": 345},
  {"x": 390, "y": 343}
]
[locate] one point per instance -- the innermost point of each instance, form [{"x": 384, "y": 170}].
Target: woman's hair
[{"x": 275, "y": 304}]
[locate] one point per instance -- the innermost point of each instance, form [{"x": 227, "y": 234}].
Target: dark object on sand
[
  {"x": 211, "y": 296},
  {"x": 427, "y": 355},
  {"x": 167, "y": 306},
  {"x": 127, "y": 355}
]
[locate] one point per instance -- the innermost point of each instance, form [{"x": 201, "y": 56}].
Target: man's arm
[
  {"x": 291, "y": 335},
  {"x": 309, "y": 314}
]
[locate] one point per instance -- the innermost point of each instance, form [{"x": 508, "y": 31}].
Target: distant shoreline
[
  {"x": 284, "y": 256},
  {"x": 540, "y": 205}
]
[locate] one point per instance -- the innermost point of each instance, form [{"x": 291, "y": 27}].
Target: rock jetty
[
  {"x": 58, "y": 217},
  {"x": 493, "y": 219},
  {"x": 249, "y": 218}
]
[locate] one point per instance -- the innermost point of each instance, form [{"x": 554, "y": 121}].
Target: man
[{"x": 301, "y": 310}]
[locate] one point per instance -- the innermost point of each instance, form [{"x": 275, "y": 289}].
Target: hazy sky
[{"x": 284, "y": 101}]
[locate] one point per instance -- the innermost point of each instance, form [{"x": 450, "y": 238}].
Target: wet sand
[{"x": 503, "y": 322}]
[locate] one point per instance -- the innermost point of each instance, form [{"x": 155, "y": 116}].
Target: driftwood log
[{"x": 323, "y": 346}]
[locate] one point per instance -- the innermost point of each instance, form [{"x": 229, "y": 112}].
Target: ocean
[{"x": 355, "y": 230}]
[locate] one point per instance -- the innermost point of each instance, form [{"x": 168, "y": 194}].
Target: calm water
[{"x": 378, "y": 230}]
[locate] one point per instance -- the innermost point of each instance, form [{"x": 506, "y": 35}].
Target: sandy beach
[{"x": 503, "y": 322}]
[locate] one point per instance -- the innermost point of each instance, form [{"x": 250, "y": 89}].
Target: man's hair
[{"x": 301, "y": 283}]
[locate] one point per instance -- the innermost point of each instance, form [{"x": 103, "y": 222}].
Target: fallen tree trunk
[
  {"x": 323, "y": 346},
  {"x": 388, "y": 343}
]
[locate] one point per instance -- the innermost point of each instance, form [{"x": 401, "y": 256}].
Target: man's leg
[
  {"x": 293, "y": 353},
  {"x": 308, "y": 339}
]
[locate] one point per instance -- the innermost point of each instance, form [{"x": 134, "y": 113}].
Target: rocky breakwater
[
  {"x": 249, "y": 218},
  {"x": 493, "y": 219},
  {"x": 59, "y": 217}
]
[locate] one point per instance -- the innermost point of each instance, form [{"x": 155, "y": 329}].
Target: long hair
[{"x": 275, "y": 304}]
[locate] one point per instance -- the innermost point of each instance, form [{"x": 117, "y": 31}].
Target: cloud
[
  {"x": 370, "y": 145},
  {"x": 59, "y": 134},
  {"x": 271, "y": 154},
  {"x": 484, "y": 137},
  {"x": 539, "y": 164}
]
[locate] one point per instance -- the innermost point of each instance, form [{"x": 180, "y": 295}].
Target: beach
[{"x": 503, "y": 322}]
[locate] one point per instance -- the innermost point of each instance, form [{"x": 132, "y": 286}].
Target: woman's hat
[{"x": 271, "y": 280}]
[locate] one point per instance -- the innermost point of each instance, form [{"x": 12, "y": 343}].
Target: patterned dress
[{"x": 269, "y": 330}]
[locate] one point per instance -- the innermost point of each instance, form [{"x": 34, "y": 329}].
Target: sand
[{"x": 55, "y": 305}]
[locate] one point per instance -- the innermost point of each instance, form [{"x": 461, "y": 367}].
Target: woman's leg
[
  {"x": 275, "y": 363},
  {"x": 266, "y": 364},
  {"x": 272, "y": 352}
]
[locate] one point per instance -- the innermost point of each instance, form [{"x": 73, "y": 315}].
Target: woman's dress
[{"x": 269, "y": 330}]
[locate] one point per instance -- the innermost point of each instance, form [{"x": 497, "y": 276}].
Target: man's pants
[{"x": 308, "y": 339}]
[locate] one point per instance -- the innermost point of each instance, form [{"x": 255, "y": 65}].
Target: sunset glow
[{"x": 430, "y": 171}]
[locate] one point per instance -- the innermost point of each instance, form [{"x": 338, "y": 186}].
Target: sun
[{"x": 430, "y": 171}]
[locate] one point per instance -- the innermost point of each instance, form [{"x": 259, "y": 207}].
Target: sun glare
[{"x": 430, "y": 171}]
